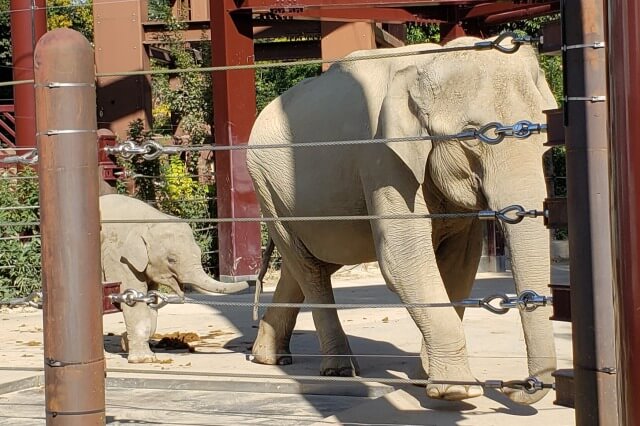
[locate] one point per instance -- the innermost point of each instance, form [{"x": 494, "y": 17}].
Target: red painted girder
[
  {"x": 486, "y": 9},
  {"x": 234, "y": 103},
  {"x": 293, "y": 4},
  {"x": 527, "y": 13},
  {"x": 388, "y": 15}
]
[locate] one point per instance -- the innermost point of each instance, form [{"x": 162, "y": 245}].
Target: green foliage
[
  {"x": 183, "y": 196},
  {"x": 5, "y": 34},
  {"x": 552, "y": 67},
  {"x": 272, "y": 82},
  {"x": 75, "y": 14},
  {"x": 19, "y": 244},
  {"x": 6, "y": 73},
  {"x": 158, "y": 10},
  {"x": 423, "y": 33}
]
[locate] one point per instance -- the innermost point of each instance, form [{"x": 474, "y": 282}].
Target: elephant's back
[{"x": 122, "y": 207}]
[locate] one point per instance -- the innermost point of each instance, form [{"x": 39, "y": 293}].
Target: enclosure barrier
[
  {"x": 73, "y": 169},
  {"x": 68, "y": 169}
]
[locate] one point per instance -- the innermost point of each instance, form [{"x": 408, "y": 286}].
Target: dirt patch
[
  {"x": 216, "y": 333},
  {"x": 175, "y": 341}
]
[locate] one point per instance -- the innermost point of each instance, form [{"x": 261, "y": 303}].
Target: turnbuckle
[
  {"x": 153, "y": 298},
  {"x": 527, "y": 301},
  {"x": 506, "y": 214},
  {"x": 529, "y": 385},
  {"x": 519, "y": 130},
  {"x": 516, "y": 42}
]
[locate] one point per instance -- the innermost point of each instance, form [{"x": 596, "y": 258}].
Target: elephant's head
[
  {"x": 167, "y": 254},
  {"x": 447, "y": 93}
]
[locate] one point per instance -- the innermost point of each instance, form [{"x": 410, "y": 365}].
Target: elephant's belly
[{"x": 340, "y": 243}]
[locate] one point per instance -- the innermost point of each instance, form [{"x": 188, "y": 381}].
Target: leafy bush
[
  {"x": 272, "y": 82},
  {"x": 20, "y": 271}
]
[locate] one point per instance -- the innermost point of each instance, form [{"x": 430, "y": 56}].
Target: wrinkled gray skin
[
  {"x": 423, "y": 261},
  {"x": 143, "y": 256}
]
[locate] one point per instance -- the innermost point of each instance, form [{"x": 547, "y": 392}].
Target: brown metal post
[
  {"x": 119, "y": 46},
  {"x": 594, "y": 343},
  {"x": 28, "y": 24},
  {"x": 624, "y": 107},
  {"x": 450, "y": 32},
  {"x": 70, "y": 224},
  {"x": 234, "y": 104}
]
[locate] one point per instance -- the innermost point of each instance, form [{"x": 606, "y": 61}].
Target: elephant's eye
[{"x": 172, "y": 260}]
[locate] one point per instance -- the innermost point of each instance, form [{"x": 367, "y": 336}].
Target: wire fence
[
  {"x": 490, "y": 133},
  {"x": 507, "y": 42}
]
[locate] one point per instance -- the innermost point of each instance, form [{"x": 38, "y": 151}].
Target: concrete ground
[{"x": 214, "y": 383}]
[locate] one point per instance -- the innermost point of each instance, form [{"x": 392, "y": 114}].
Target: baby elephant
[{"x": 143, "y": 256}]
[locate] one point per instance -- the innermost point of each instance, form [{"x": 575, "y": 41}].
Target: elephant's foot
[
  {"x": 452, "y": 392},
  {"x": 261, "y": 355},
  {"x": 341, "y": 366},
  {"x": 522, "y": 397},
  {"x": 138, "y": 355},
  {"x": 270, "y": 347},
  {"x": 141, "y": 357}
]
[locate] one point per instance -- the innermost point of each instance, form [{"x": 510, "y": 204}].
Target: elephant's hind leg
[
  {"x": 303, "y": 278},
  {"x": 337, "y": 359},
  {"x": 276, "y": 326}
]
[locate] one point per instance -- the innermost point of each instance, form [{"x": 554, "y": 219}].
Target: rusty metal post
[
  {"x": 70, "y": 226},
  {"x": 28, "y": 24},
  {"x": 450, "y": 32},
  {"x": 624, "y": 109},
  {"x": 234, "y": 103},
  {"x": 594, "y": 343}
]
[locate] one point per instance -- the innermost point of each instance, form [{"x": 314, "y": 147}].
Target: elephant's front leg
[
  {"x": 140, "y": 321},
  {"x": 458, "y": 251},
  {"x": 408, "y": 263}
]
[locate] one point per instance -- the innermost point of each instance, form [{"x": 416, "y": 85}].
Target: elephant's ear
[
  {"x": 399, "y": 117},
  {"x": 134, "y": 251}
]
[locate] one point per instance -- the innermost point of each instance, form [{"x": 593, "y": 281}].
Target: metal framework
[
  {"x": 28, "y": 23},
  {"x": 234, "y": 28}
]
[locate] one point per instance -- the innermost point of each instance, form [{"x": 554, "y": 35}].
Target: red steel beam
[
  {"x": 623, "y": 45},
  {"x": 487, "y": 9},
  {"x": 389, "y": 15},
  {"x": 516, "y": 15},
  {"x": 293, "y": 4},
  {"x": 234, "y": 104},
  {"x": 28, "y": 24}
]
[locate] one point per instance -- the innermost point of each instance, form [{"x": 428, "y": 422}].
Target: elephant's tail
[{"x": 266, "y": 258}]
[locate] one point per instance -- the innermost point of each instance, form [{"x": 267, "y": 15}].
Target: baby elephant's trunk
[{"x": 203, "y": 283}]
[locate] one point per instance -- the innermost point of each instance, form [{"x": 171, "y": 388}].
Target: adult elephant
[
  {"x": 423, "y": 261},
  {"x": 142, "y": 256}
]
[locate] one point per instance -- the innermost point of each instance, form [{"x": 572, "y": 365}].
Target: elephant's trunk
[
  {"x": 199, "y": 281},
  {"x": 528, "y": 243}
]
